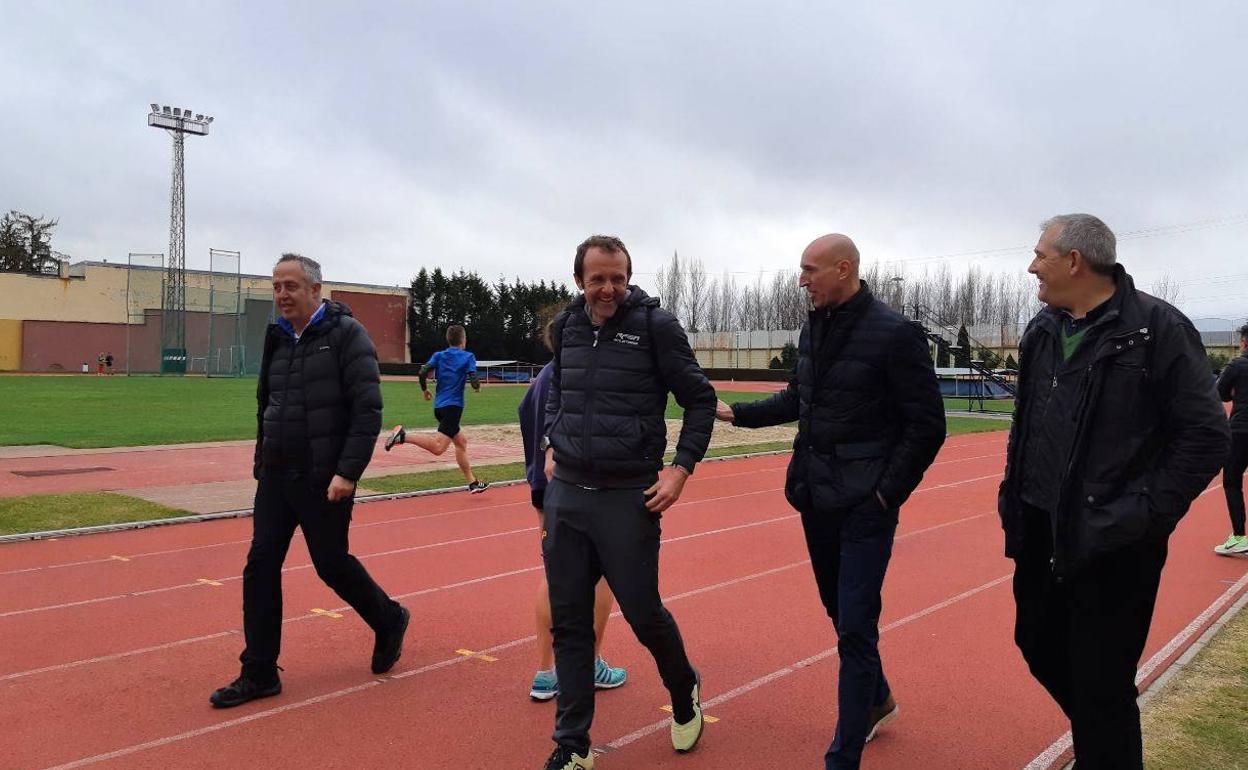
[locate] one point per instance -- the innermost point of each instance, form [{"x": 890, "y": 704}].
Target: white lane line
[
  {"x": 793, "y": 668},
  {"x": 404, "y": 519},
  {"x": 459, "y": 659},
  {"x": 410, "y": 549}
]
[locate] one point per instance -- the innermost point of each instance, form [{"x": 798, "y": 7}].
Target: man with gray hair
[
  {"x": 1117, "y": 429},
  {"x": 318, "y": 416}
]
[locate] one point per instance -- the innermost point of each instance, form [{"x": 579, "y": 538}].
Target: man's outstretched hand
[{"x": 724, "y": 412}]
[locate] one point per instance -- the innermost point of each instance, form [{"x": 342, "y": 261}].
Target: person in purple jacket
[{"x": 532, "y": 415}]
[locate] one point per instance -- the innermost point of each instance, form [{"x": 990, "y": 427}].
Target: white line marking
[
  {"x": 403, "y": 519},
  {"x": 793, "y": 668},
  {"x": 425, "y": 546},
  {"x": 459, "y": 660}
]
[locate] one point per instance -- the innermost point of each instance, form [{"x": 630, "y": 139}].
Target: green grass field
[
  {"x": 88, "y": 412},
  {"x": 1199, "y": 719},
  {"x": 960, "y": 405}
]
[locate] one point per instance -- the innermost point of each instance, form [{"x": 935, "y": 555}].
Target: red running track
[{"x": 111, "y": 643}]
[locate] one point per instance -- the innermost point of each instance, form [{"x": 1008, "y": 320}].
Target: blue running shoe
[
  {"x": 545, "y": 686},
  {"x": 607, "y": 678}
]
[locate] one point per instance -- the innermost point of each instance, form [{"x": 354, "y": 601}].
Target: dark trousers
[
  {"x": 1233, "y": 480},
  {"x": 849, "y": 551},
  {"x": 1083, "y": 636},
  {"x": 281, "y": 505},
  {"x": 607, "y": 533}
]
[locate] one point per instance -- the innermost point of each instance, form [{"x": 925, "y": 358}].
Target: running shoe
[
  {"x": 397, "y": 436},
  {"x": 244, "y": 689},
  {"x": 1233, "y": 545},
  {"x": 685, "y": 735},
  {"x": 564, "y": 758},
  {"x": 607, "y": 678},
  {"x": 545, "y": 686},
  {"x": 882, "y": 715},
  {"x": 478, "y": 486}
]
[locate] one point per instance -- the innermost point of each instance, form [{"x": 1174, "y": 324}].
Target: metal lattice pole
[
  {"x": 173, "y": 306},
  {"x": 178, "y": 122}
]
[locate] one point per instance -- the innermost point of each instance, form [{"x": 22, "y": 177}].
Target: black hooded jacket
[
  {"x": 319, "y": 400},
  {"x": 608, "y": 395}
]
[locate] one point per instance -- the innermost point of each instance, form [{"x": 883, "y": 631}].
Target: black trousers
[
  {"x": 1233, "y": 480},
  {"x": 282, "y": 504},
  {"x": 850, "y": 551},
  {"x": 1082, "y": 637},
  {"x": 607, "y": 533}
]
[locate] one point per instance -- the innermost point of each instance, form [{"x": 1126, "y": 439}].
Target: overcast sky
[{"x": 380, "y": 137}]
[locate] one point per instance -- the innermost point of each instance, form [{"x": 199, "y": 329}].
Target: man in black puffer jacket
[
  {"x": 1117, "y": 429},
  {"x": 870, "y": 422},
  {"x": 617, "y": 356},
  {"x": 319, "y": 413}
]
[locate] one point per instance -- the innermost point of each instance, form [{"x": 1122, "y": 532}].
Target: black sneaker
[
  {"x": 397, "y": 436},
  {"x": 881, "y": 715},
  {"x": 477, "y": 486},
  {"x": 389, "y": 646},
  {"x": 564, "y": 758},
  {"x": 245, "y": 689}
]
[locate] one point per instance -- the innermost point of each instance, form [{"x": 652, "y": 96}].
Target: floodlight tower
[{"x": 178, "y": 122}]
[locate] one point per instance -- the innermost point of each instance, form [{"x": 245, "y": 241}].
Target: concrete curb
[{"x": 242, "y": 512}]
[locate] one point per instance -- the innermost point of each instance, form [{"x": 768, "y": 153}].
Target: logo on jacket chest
[{"x": 624, "y": 338}]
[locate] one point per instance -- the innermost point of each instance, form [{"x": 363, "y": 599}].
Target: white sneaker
[
  {"x": 686, "y": 736},
  {"x": 1233, "y": 545}
]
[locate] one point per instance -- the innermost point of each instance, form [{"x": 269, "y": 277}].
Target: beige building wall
[{"x": 95, "y": 292}]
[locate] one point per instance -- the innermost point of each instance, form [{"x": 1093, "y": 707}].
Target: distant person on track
[
  {"x": 617, "y": 357},
  {"x": 532, "y": 414},
  {"x": 1116, "y": 430},
  {"x": 108, "y": 363},
  {"x": 452, "y": 367},
  {"x": 870, "y": 422},
  {"x": 1233, "y": 387},
  {"x": 319, "y": 399},
  {"x": 99, "y": 365}
]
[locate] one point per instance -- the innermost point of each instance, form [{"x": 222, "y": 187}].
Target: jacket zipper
[{"x": 1102, "y": 353}]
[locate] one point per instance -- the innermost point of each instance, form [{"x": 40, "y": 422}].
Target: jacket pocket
[{"x": 1109, "y": 517}]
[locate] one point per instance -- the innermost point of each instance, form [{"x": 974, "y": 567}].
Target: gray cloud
[{"x": 383, "y": 137}]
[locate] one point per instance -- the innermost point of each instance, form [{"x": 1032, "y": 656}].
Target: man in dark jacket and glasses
[
  {"x": 319, "y": 413},
  {"x": 870, "y": 422},
  {"x": 1117, "y": 429},
  {"x": 617, "y": 357}
]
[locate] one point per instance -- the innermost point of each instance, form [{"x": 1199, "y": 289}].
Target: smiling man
[
  {"x": 1116, "y": 430},
  {"x": 319, "y": 413},
  {"x": 870, "y": 422},
  {"x": 617, "y": 356}
]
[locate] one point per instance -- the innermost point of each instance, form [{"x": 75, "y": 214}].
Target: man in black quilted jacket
[
  {"x": 617, "y": 356},
  {"x": 870, "y": 422},
  {"x": 319, "y": 399}
]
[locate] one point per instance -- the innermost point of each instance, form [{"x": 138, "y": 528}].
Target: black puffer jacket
[
  {"x": 869, "y": 408},
  {"x": 1233, "y": 387},
  {"x": 608, "y": 393},
  {"x": 319, "y": 399},
  {"x": 1149, "y": 432}
]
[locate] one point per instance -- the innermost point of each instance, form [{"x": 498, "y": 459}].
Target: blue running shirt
[{"x": 451, "y": 367}]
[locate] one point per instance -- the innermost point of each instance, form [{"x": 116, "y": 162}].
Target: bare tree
[
  {"x": 1166, "y": 288},
  {"x": 670, "y": 283},
  {"x": 696, "y": 295}
]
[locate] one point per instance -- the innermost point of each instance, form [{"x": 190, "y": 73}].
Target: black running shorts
[{"x": 448, "y": 420}]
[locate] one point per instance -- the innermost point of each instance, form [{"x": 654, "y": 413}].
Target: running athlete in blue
[{"x": 452, "y": 367}]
